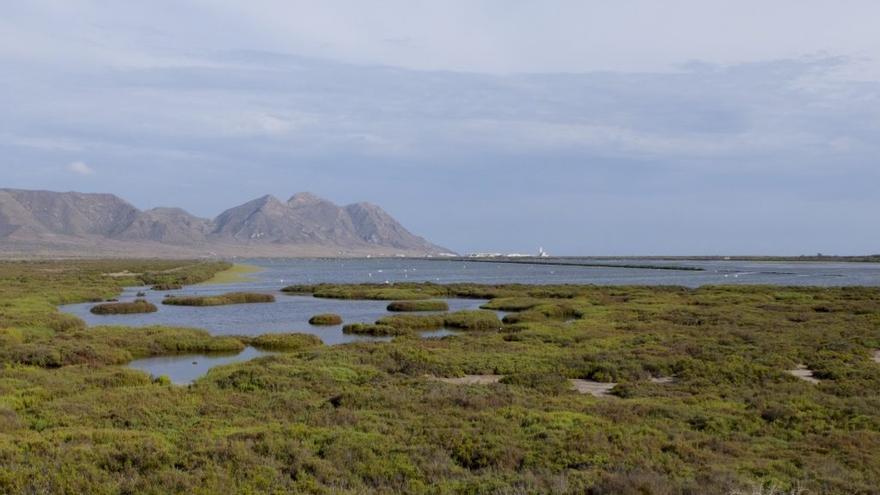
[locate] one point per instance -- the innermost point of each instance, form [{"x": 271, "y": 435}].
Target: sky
[{"x": 634, "y": 127}]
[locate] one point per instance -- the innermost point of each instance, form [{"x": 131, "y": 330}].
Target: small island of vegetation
[
  {"x": 326, "y": 319},
  {"x": 418, "y": 305},
  {"x": 283, "y": 341},
  {"x": 373, "y": 329},
  {"x": 122, "y": 308},
  {"x": 220, "y": 300}
]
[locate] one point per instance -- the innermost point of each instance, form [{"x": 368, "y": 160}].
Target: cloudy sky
[{"x": 587, "y": 127}]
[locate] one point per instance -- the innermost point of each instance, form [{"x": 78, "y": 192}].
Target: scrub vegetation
[
  {"x": 373, "y": 329},
  {"x": 381, "y": 417},
  {"x": 459, "y": 320},
  {"x": 326, "y": 319},
  {"x": 412, "y": 306},
  {"x": 283, "y": 341},
  {"x": 120, "y": 308},
  {"x": 220, "y": 300}
]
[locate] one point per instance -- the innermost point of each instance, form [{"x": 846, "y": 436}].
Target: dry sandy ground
[
  {"x": 596, "y": 389},
  {"x": 877, "y": 356},
  {"x": 803, "y": 373},
  {"x": 472, "y": 379}
]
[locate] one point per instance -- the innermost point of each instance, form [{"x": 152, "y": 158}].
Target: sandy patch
[
  {"x": 803, "y": 373},
  {"x": 876, "y": 356},
  {"x": 471, "y": 379},
  {"x": 596, "y": 389},
  {"x": 661, "y": 379}
]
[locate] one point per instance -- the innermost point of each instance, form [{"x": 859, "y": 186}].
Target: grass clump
[
  {"x": 124, "y": 308},
  {"x": 326, "y": 319},
  {"x": 512, "y": 303},
  {"x": 413, "y": 322},
  {"x": 285, "y": 341},
  {"x": 418, "y": 305},
  {"x": 220, "y": 300},
  {"x": 460, "y": 320},
  {"x": 544, "y": 312},
  {"x": 472, "y": 320},
  {"x": 373, "y": 329}
]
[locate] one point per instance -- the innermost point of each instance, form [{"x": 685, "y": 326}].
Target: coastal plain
[{"x": 578, "y": 389}]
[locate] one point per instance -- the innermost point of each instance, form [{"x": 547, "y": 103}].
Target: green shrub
[
  {"x": 472, "y": 320},
  {"x": 461, "y": 320},
  {"x": 220, "y": 300},
  {"x": 413, "y": 322},
  {"x": 376, "y": 330},
  {"x": 326, "y": 319},
  {"x": 423, "y": 305},
  {"x": 286, "y": 341},
  {"x": 121, "y": 308},
  {"x": 545, "y": 382},
  {"x": 512, "y": 303}
]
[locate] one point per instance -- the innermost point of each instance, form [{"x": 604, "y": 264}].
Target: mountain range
[{"x": 45, "y": 223}]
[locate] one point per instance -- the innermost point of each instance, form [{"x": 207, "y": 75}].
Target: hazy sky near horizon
[{"x": 586, "y": 127}]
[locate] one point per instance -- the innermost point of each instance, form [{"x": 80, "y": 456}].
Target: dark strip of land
[{"x": 539, "y": 261}]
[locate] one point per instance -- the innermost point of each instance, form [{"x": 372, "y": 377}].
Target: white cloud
[{"x": 80, "y": 168}]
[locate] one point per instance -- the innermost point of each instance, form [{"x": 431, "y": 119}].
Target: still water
[
  {"x": 291, "y": 313},
  {"x": 184, "y": 369},
  {"x": 448, "y": 271}
]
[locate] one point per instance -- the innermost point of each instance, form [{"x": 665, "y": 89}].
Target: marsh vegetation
[
  {"x": 418, "y": 305},
  {"x": 219, "y": 300},
  {"x": 326, "y": 319},
  {"x": 120, "y": 308},
  {"x": 407, "y": 416}
]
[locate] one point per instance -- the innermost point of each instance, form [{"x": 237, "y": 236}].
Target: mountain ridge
[{"x": 46, "y": 223}]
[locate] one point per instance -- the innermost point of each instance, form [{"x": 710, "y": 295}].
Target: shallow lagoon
[
  {"x": 291, "y": 313},
  {"x": 287, "y": 314},
  {"x": 185, "y": 368}
]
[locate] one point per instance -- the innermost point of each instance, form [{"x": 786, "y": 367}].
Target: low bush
[
  {"x": 423, "y": 305},
  {"x": 285, "y": 341},
  {"x": 221, "y": 300},
  {"x": 413, "y": 322},
  {"x": 473, "y": 320},
  {"x": 549, "y": 383},
  {"x": 512, "y": 303},
  {"x": 326, "y": 319},
  {"x": 374, "y": 329},
  {"x": 124, "y": 308},
  {"x": 461, "y": 320}
]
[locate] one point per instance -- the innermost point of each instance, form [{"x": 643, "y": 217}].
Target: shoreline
[{"x": 237, "y": 274}]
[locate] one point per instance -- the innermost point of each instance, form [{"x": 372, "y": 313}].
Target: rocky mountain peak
[{"x": 304, "y": 224}]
